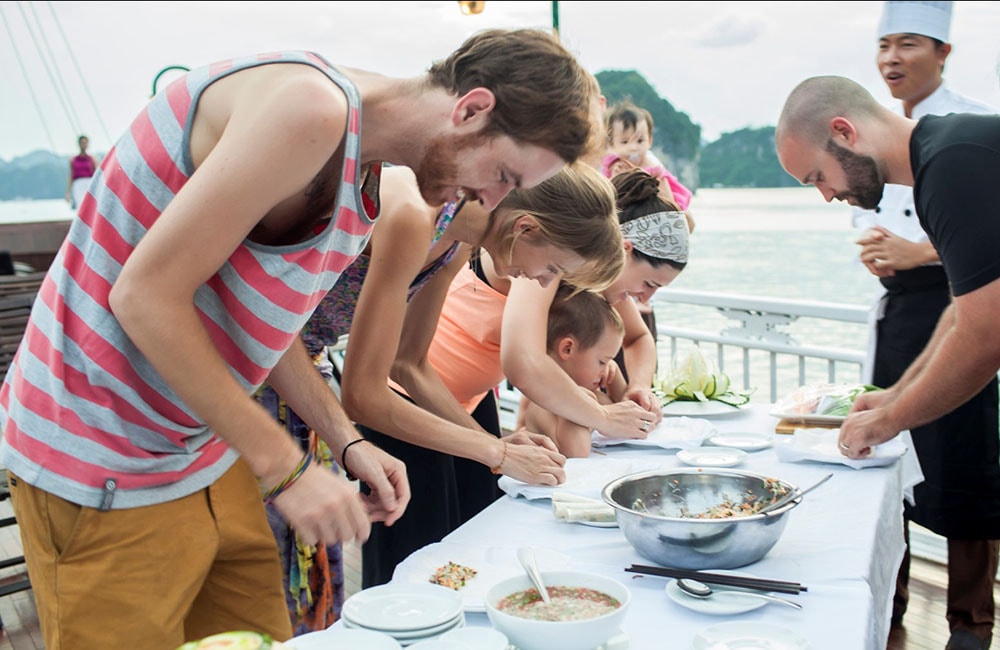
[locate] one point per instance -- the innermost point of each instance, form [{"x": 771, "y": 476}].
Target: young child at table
[
  {"x": 630, "y": 140},
  {"x": 584, "y": 335}
]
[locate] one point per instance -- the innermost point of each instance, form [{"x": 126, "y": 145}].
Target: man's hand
[
  {"x": 867, "y": 424},
  {"x": 323, "y": 508}
]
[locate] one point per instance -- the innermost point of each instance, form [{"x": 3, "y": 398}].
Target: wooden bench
[
  {"x": 27, "y": 283},
  {"x": 14, "y": 311}
]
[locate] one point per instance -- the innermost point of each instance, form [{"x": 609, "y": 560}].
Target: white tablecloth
[{"x": 844, "y": 542}]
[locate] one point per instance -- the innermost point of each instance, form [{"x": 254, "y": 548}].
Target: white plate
[
  {"x": 440, "y": 643},
  {"x": 597, "y": 524},
  {"x": 342, "y": 637},
  {"x": 744, "y": 441},
  {"x": 426, "y": 638},
  {"x": 712, "y": 456},
  {"x": 701, "y": 409},
  {"x": 401, "y": 608},
  {"x": 477, "y": 638},
  {"x": 730, "y": 600},
  {"x": 747, "y": 635},
  {"x": 412, "y": 636},
  {"x": 492, "y": 564}
]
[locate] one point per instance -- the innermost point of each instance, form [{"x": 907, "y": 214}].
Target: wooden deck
[{"x": 924, "y": 626}]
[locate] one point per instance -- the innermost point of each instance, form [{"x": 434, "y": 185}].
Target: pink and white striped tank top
[{"x": 83, "y": 413}]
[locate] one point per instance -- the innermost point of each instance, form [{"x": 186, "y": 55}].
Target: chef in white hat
[{"x": 959, "y": 498}]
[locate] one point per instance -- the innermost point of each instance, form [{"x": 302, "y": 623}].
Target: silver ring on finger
[
  {"x": 645, "y": 425},
  {"x": 845, "y": 447}
]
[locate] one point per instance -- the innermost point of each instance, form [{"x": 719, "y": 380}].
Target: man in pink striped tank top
[{"x": 137, "y": 456}]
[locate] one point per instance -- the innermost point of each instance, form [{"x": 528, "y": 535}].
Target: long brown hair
[{"x": 575, "y": 211}]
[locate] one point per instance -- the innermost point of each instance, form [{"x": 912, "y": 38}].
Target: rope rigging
[{"x": 36, "y": 31}]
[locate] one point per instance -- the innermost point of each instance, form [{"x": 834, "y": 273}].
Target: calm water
[
  {"x": 777, "y": 243},
  {"x": 783, "y": 243}
]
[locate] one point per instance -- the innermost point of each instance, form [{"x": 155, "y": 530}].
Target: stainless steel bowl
[{"x": 655, "y": 510}]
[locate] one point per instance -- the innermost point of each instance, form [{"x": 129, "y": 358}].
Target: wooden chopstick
[{"x": 761, "y": 584}]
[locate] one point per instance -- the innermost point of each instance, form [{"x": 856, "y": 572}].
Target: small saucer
[
  {"x": 729, "y": 601},
  {"x": 744, "y": 441},
  {"x": 598, "y": 524},
  {"x": 712, "y": 456}
]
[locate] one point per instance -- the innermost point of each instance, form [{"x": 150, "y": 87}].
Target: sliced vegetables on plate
[{"x": 694, "y": 380}]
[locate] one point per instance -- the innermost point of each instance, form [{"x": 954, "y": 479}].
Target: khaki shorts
[{"x": 156, "y": 576}]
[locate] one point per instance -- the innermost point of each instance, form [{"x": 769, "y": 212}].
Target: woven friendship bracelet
[
  {"x": 499, "y": 468},
  {"x": 343, "y": 458},
  {"x": 289, "y": 480}
]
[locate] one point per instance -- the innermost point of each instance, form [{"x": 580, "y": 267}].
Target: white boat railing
[{"x": 749, "y": 338}]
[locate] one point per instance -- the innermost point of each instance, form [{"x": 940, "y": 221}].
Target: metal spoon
[
  {"x": 792, "y": 496},
  {"x": 526, "y": 557},
  {"x": 701, "y": 590}
]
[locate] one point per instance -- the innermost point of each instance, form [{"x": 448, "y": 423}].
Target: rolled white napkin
[{"x": 571, "y": 507}]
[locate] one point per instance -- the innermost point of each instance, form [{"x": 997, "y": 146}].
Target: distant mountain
[
  {"x": 37, "y": 175},
  {"x": 744, "y": 158}
]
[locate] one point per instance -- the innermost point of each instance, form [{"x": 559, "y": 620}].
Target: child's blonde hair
[{"x": 584, "y": 315}]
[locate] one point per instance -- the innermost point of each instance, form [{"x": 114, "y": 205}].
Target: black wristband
[{"x": 343, "y": 458}]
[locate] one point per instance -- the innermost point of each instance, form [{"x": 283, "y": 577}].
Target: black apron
[{"x": 960, "y": 452}]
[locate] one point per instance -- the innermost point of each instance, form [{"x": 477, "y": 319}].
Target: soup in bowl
[{"x": 586, "y": 610}]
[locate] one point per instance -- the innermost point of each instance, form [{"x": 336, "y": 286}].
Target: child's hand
[{"x": 619, "y": 166}]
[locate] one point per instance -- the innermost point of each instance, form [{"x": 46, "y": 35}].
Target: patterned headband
[{"x": 663, "y": 235}]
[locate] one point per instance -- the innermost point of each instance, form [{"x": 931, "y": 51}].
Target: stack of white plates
[{"x": 407, "y": 612}]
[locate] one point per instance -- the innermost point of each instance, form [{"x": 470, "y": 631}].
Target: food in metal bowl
[{"x": 699, "y": 518}]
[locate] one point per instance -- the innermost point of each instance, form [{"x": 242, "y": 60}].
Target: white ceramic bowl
[{"x": 586, "y": 634}]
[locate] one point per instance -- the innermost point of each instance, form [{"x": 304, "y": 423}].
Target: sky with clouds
[{"x": 728, "y": 65}]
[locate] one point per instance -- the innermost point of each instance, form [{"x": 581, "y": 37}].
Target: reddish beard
[{"x": 437, "y": 174}]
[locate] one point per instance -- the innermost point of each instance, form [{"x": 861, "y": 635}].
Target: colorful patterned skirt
[{"x": 313, "y": 576}]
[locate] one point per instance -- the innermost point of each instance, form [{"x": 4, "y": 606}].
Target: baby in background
[
  {"x": 630, "y": 138},
  {"x": 584, "y": 335}
]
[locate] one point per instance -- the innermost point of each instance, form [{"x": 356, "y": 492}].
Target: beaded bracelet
[
  {"x": 289, "y": 480},
  {"x": 343, "y": 458},
  {"x": 498, "y": 468}
]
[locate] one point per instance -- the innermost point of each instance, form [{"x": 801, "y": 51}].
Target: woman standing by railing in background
[{"x": 82, "y": 168}]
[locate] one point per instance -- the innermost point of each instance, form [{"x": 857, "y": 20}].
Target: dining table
[{"x": 843, "y": 542}]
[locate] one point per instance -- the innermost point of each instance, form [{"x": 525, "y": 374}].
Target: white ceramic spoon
[{"x": 526, "y": 557}]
